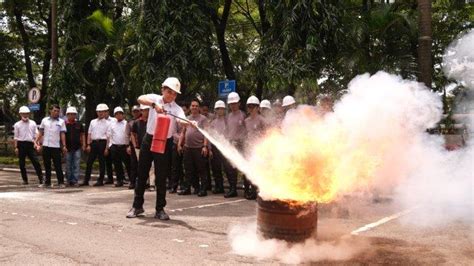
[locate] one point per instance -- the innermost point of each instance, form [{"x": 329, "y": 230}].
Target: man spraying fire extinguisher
[{"x": 157, "y": 145}]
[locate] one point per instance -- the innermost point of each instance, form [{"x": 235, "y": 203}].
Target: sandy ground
[{"x": 88, "y": 226}]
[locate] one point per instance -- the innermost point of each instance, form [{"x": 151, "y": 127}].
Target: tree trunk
[
  {"x": 26, "y": 45},
  {"x": 220, "y": 25},
  {"x": 425, "y": 64},
  {"x": 45, "y": 73}
]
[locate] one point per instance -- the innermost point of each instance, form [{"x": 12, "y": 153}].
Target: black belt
[
  {"x": 98, "y": 140},
  {"x": 120, "y": 145}
]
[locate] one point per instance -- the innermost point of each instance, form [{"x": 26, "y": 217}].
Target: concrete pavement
[{"x": 88, "y": 226}]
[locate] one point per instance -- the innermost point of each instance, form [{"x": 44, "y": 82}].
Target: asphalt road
[{"x": 88, "y": 226}]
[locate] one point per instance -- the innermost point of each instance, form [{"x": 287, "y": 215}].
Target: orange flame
[{"x": 312, "y": 162}]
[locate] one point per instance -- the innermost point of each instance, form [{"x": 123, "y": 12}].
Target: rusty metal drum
[{"x": 287, "y": 221}]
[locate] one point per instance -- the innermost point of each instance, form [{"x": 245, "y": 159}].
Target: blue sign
[
  {"x": 34, "y": 107},
  {"x": 225, "y": 87}
]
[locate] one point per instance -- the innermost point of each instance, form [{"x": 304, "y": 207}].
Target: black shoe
[
  {"x": 202, "y": 193},
  {"x": 109, "y": 182},
  {"x": 119, "y": 184},
  {"x": 218, "y": 190},
  {"x": 98, "y": 184},
  {"x": 83, "y": 184},
  {"x": 131, "y": 186},
  {"x": 162, "y": 215},
  {"x": 231, "y": 194},
  {"x": 251, "y": 195},
  {"x": 24, "y": 183},
  {"x": 134, "y": 212},
  {"x": 184, "y": 192},
  {"x": 172, "y": 190}
]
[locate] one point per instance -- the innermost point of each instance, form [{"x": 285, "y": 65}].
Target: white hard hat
[
  {"x": 288, "y": 100},
  {"x": 144, "y": 107},
  {"x": 118, "y": 109},
  {"x": 136, "y": 108},
  {"x": 253, "y": 100},
  {"x": 71, "y": 110},
  {"x": 233, "y": 97},
  {"x": 102, "y": 107},
  {"x": 24, "y": 110},
  {"x": 265, "y": 104},
  {"x": 219, "y": 104},
  {"x": 172, "y": 83}
]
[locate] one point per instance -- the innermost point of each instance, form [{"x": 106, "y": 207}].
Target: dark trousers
[
  {"x": 230, "y": 171},
  {"x": 97, "y": 151},
  {"x": 26, "y": 149},
  {"x": 162, "y": 172},
  {"x": 52, "y": 154},
  {"x": 120, "y": 157},
  {"x": 195, "y": 173},
  {"x": 176, "y": 168},
  {"x": 133, "y": 167},
  {"x": 217, "y": 164},
  {"x": 108, "y": 165}
]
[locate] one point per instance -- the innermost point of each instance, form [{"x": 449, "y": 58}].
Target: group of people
[{"x": 187, "y": 165}]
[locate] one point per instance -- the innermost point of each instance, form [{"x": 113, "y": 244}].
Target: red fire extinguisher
[{"x": 160, "y": 136}]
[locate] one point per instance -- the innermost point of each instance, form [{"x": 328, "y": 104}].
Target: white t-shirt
[
  {"x": 52, "y": 129},
  {"x": 118, "y": 132},
  {"x": 24, "y": 130},
  {"x": 172, "y": 108},
  {"x": 98, "y": 129}
]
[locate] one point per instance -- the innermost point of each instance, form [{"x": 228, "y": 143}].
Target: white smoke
[
  {"x": 387, "y": 117},
  {"x": 458, "y": 60},
  {"x": 246, "y": 242}
]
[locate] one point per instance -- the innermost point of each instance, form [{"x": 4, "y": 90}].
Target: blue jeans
[{"x": 73, "y": 160}]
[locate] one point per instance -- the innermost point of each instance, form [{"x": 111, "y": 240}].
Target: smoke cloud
[
  {"x": 458, "y": 60},
  {"x": 374, "y": 141},
  {"x": 246, "y": 242}
]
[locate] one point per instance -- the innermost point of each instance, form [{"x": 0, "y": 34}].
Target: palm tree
[{"x": 425, "y": 64}]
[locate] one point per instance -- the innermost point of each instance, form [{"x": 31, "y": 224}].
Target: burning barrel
[{"x": 289, "y": 221}]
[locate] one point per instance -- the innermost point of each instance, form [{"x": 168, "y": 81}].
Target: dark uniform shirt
[
  {"x": 139, "y": 128},
  {"x": 73, "y": 135}
]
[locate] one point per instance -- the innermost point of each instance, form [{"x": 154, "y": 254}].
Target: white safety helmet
[
  {"x": 253, "y": 100},
  {"x": 71, "y": 110},
  {"x": 233, "y": 97},
  {"x": 24, "y": 110},
  {"x": 288, "y": 100},
  {"x": 172, "y": 83},
  {"x": 144, "y": 107},
  {"x": 136, "y": 108},
  {"x": 265, "y": 104},
  {"x": 219, "y": 104},
  {"x": 118, "y": 109},
  {"x": 102, "y": 107}
]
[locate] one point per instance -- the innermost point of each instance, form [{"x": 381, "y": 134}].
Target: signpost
[
  {"x": 34, "y": 95},
  {"x": 34, "y": 107},
  {"x": 225, "y": 87}
]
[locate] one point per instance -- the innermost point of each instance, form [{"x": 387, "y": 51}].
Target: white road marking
[
  {"x": 178, "y": 240},
  {"x": 203, "y": 246},
  {"x": 207, "y": 205},
  {"x": 109, "y": 192},
  {"x": 384, "y": 220},
  {"x": 71, "y": 223}
]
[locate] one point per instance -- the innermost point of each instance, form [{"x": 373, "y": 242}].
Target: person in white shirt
[
  {"x": 24, "y": 143},
  {"x": 52, "y": 140},
  {"x": 96, "y": 144},
  {"x": 108, "y": 158},
  {"x": 118, "y": 137},
  {"x": 161, "y": 104}
]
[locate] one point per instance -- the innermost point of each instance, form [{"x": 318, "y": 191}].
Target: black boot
[{"x": 232, "y": 193}]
